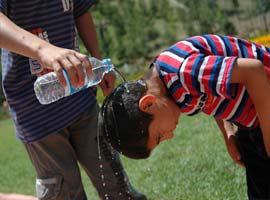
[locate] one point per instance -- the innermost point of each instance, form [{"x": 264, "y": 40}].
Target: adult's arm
[
  {"x": 20, "y": 41},
  {"x": 87, "y": 32}
]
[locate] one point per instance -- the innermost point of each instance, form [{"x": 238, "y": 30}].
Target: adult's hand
[{"x": 52, "y": 57}]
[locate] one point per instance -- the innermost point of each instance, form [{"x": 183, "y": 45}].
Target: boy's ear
[{"x": 146, "y": 103}]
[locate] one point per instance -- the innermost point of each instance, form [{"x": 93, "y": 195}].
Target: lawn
[{"x": 192, "y": 166}]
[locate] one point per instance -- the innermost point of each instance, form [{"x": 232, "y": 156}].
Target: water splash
[
  {"x": 100, "y": 161},
  {"x": 100, "y": 157},
  {"x": 122, "y": 77},
  {"x": 120, "y": 74},
  {"x": 122, "y": 180}
]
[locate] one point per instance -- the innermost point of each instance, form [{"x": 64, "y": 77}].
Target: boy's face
[{"x": 165, "y": 120}]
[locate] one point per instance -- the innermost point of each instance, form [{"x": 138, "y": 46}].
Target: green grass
[{"x": 192, "y": 166}]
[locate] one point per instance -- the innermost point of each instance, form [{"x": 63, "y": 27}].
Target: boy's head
[
  {"x": 135, "y": 121},
  {"x": 125, "y": 125}
]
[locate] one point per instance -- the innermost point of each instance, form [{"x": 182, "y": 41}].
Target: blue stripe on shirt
[
  {"x": 211, "y": 44},
  {"x": 195, "y": 71},
  {"x": 214, "y": 74}
]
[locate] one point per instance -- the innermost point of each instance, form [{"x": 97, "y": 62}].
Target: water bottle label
[
  {"x": 69, "y": 89},
  {"x": 35, "y": 67}
]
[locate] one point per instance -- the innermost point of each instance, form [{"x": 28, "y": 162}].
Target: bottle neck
[{"x": 108, "y": 63}]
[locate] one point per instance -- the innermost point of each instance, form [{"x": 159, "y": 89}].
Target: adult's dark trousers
[{"x": 257, "y": 163}]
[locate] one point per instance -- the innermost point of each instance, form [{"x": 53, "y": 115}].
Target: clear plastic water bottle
[{"x": 48, "y": 88}]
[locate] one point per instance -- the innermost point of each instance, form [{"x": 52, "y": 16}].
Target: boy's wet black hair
[{"x": 125, "y": 125}]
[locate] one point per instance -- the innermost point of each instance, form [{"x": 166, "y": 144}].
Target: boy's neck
[{"x": 154, "y": 83}]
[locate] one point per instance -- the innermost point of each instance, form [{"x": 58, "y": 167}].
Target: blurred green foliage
[{"x": 134, "y": 31}]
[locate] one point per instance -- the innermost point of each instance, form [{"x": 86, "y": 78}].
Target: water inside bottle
[
  {"x": 96, "y": 76},
  {"x": 49, "y": 90}
]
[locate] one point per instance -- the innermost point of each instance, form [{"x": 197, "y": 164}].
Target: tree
[
  {"x": 135, "y": 30},
  {"x": 235, "y": 3},
  {"x": 131, "y": 29},
  {"x": 262, "y": 7},
  {"x": 205, "y": 16}
]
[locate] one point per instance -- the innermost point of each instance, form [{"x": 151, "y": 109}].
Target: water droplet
[
  {"x": 100, "y": 162},
  {"x": 106, "y": 196}
]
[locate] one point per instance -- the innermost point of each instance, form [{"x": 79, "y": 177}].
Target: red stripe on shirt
[{"x": 169, "y": 60}]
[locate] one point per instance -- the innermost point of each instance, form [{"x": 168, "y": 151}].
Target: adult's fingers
[
  {"x": 71, "y": 70},
  {"x": 78, "y": 67},
  {"x": 59, "y": 72},
  {"x": 85, "y": 63}
]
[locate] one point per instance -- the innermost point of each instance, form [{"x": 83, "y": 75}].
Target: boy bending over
[{"x": 224, "y": 77}]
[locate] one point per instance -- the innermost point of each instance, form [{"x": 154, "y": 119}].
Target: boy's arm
[
  {"x": 228, "y": 132},
  {"x": 20, "y": 41},
  {"x": 251, "y": 73},
  {"x": 87, "y": 32}
]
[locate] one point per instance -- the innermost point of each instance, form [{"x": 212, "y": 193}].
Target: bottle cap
[{"x": 108, "y": 62}]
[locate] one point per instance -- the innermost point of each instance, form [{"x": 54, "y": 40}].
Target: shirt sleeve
[
  {"x": 208, "y": 74},
  {"x": 3, "y": 6},
  {"x": 81, "y": 6}
]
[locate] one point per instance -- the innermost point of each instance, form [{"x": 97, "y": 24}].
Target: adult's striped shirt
[
  {"x": 53, "y": 21},
  {"x": 197, "y": 72}
]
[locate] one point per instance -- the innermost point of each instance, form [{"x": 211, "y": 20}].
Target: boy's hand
[
  {"x": 233, "y": 150},
  {"x": 107, "y": 84},
  {"x": 56, "y": 58},
  {"x": 228, "y": 130}
]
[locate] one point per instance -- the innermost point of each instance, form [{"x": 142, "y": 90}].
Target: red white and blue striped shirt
[{"x": 197, "y": 73}]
